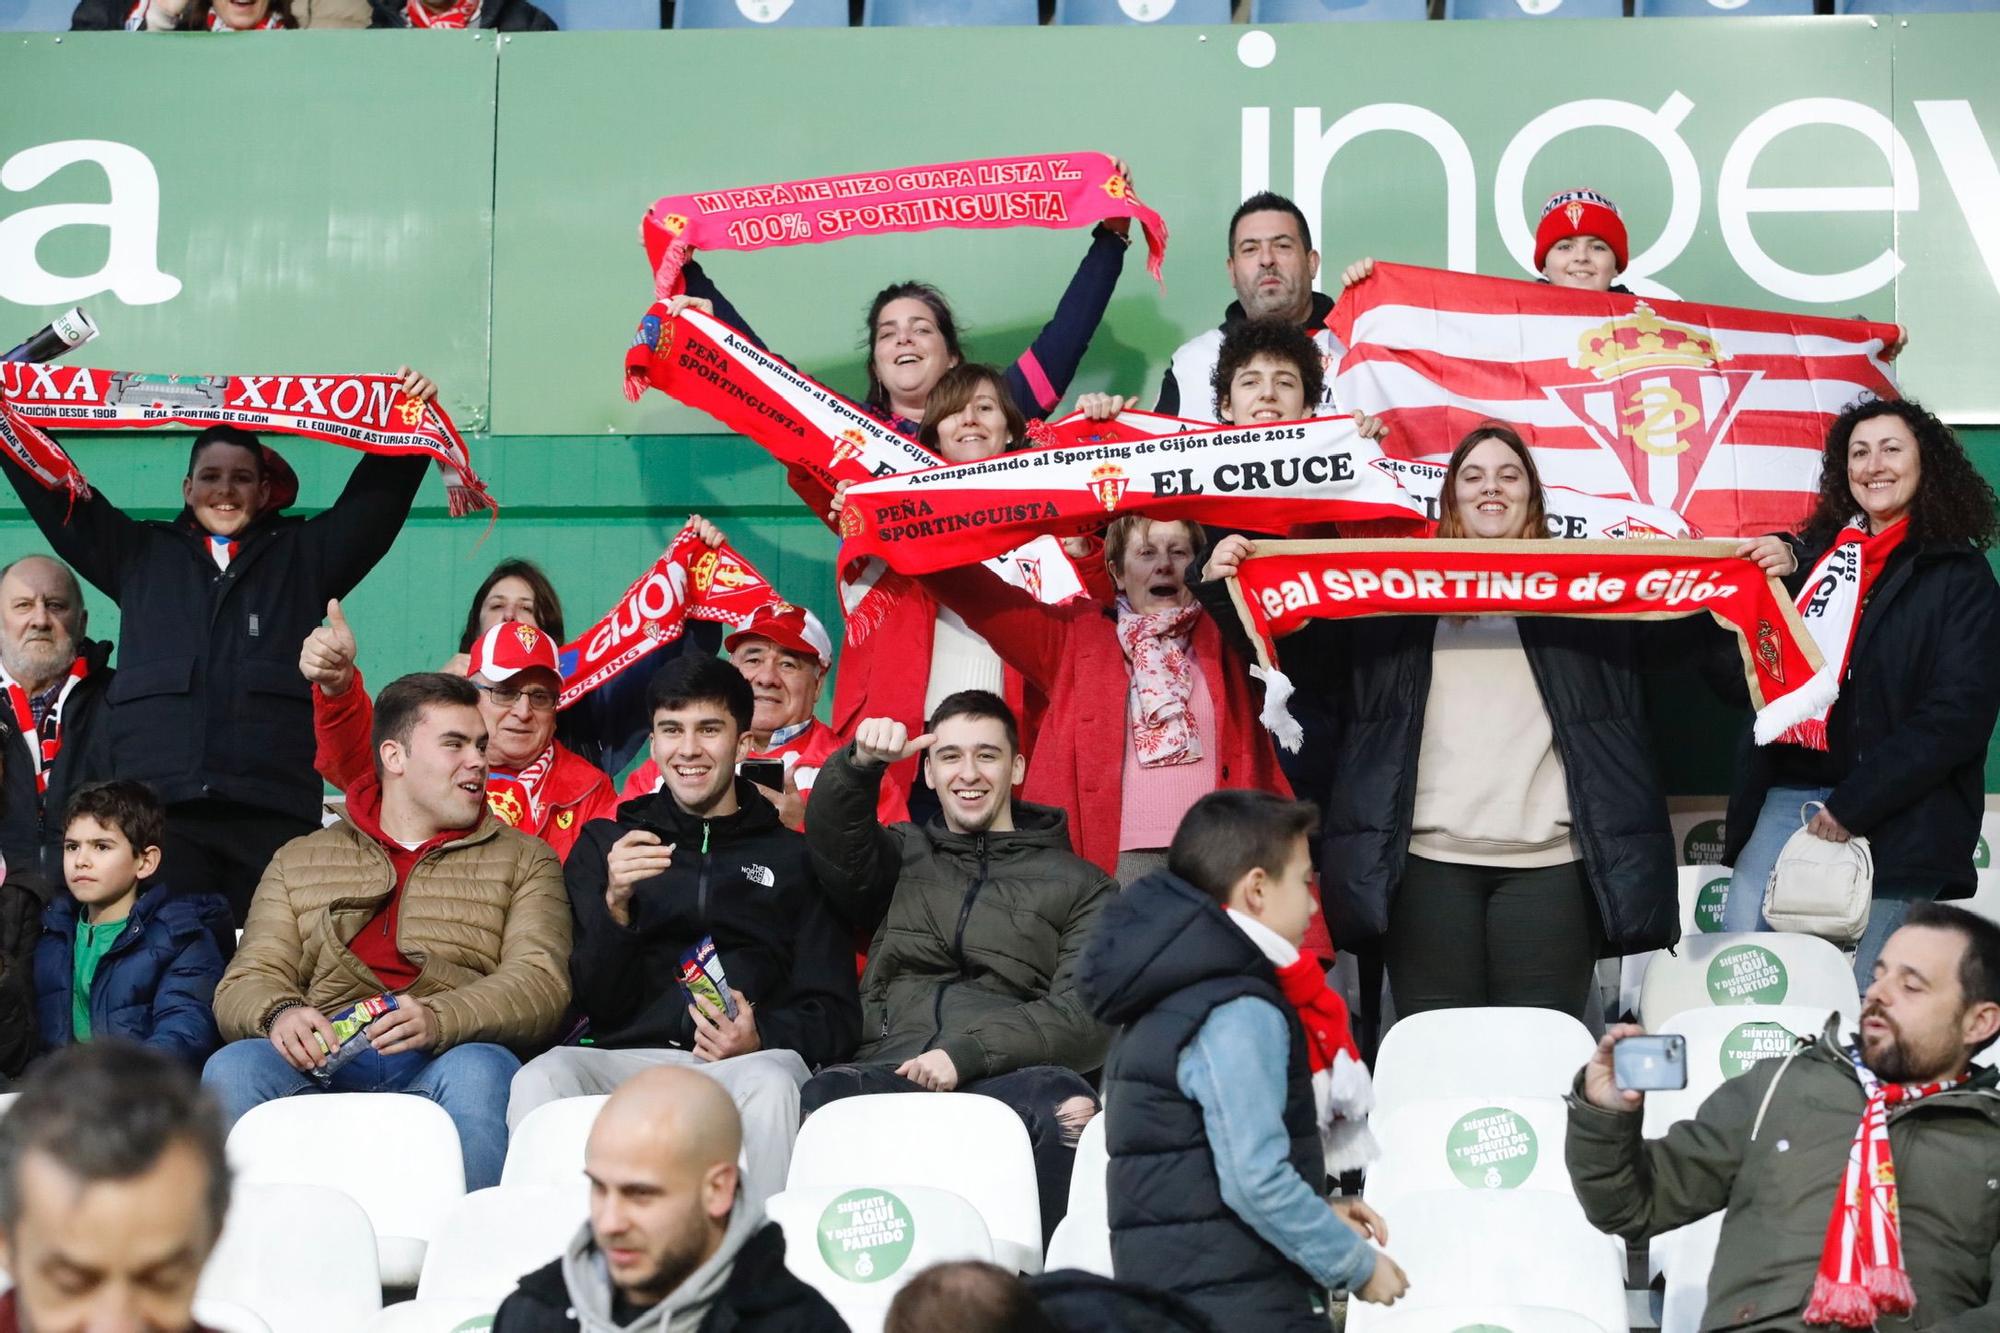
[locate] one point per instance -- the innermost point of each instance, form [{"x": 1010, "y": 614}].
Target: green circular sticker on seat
[
  {"x": 1702, "y": 844},
  {"x": 1491, "y": 1149},
  {"x": 1747, "y": 1043},
  {"x": 866, "y": 1235},
  {"x": 479, "y": 1323},
  {"x": 1982, "y": 856},
  {"x": 1481, "y": 1328},
  {"x": 1708, "y": 905},
  {"x": 1746, "y": 974}
]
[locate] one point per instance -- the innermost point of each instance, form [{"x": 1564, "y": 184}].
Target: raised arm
[
  {"x": 1040, "y": 377},
  {"x": 854, "y": 858},
  {"x": 1028, "y": 636}
]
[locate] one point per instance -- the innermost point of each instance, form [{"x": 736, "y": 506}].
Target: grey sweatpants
[{"x": 763, "y": 1084}]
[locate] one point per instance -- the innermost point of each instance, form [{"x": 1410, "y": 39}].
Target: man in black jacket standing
[
  {"x": 208, "y": 707},
  {"x": 55, "y": 729},
  {"x": 702, "y": 860},
  {"x": 671, "y": 1243}
]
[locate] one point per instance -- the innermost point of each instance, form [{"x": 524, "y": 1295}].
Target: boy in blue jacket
[{"x": 118, "y": 957}]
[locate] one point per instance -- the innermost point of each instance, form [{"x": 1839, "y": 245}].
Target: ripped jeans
[{"x": 1054, "y": 1103}]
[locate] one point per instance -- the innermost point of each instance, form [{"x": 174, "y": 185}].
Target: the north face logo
[{"x": 757, "y": 874}]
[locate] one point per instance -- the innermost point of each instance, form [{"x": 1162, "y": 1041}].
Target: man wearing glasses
[{"x": 535, "y": 784}]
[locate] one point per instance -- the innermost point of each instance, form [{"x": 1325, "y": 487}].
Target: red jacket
[
  {"x": 1071, "y": 654},
  {"x": 577, "y": 790}
]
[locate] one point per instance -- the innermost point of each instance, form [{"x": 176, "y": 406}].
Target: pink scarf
[
  {"x": 1156, "y": 647},
  {"x": 1861, "y": 1275}
]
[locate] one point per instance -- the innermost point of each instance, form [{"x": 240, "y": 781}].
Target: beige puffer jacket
[{"x": 485, "y": 918}]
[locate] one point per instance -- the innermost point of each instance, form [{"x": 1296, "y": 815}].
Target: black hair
[
  {"x": 401, "y": 704},
  {"x": 1248, "y": 339},
  {"x": 699, "y": 678},
  {"x": 130, "y": 807},
  {"x": 1227, "y": 834},
  {"x": 947, "y": 324},
  {"x": 548, "y": 606},
  {"x": 1979, "y": 965},
  {"x": 1269, "y": 201},
  {"x": 107, "y": 1109},
  {"x": 977, "y": 704},
  {"x": 1953, "y": 502},
  {"x": 235, "y": 436}
]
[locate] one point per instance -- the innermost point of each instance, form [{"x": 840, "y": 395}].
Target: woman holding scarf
[
  {"x": 1895, "y": 586},
  {"x": 1495, "y": 823}
]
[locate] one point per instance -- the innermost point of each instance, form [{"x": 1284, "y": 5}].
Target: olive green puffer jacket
[
  {"x": 976, "y": 936},
  {"x": 1776, "y": 1167}
]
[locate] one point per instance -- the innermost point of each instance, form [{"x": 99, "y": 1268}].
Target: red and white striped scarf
[
  {"x": 516, "y": 798},
  {"x": 271, "y": 23},
  {"x": 459, "y": 15},
  {"x": 45, "y": 741},
  {"x": 1830, "y": 606},
  {"x": 1861, "y": 1275},
  {"x": 1155, "y": 645}
]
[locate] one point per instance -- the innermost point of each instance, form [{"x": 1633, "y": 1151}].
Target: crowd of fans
[{"x": 1060, "y": 839}]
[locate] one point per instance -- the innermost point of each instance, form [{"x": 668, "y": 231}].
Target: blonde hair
[{"x": 1119, "y": 534}]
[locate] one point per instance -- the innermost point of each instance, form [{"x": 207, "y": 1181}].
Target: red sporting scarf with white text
[
  {"x": 1715, "y": 413},
  {"x": 1286, "y": 584},
  {"x": 366, "y": 412},
  {"x": 689, "y": 579},
  {"x": 1830, "y": 604},
  {"x": 459, "y": 15}
]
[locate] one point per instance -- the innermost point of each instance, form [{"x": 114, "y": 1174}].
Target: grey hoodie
[{"x": 589, "y": 1282}]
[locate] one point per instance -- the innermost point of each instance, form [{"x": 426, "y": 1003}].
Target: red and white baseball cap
[
  {"x": 511, "y": 647},
  {"x": 792, "y": 628},
  {"x": 1580, "y": 213}
]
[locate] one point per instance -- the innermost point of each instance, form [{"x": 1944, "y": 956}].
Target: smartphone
[
  {"x": 1651, "y": 1063},
  {"x": 764, "y": 772}
]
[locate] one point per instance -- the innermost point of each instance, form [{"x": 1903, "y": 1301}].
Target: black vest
[{"x": 1170, "y": 1228}]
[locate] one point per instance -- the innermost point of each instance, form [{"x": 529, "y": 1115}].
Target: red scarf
[
  {"x": 689, "y": 579},
  {"x": 516, "y": 798},
  {"x": 1861, "y": 1275},
  {"x": 459, "y": 15},
  {"x": 366, "y": 412},
  {"x": 1321, "y": 1011},
  {"x": 1288, "y": 583},
  {"x": 1831, "y": 603},
  {"x": 271, "y": 23},
  {"x": 45, "y": 743}
]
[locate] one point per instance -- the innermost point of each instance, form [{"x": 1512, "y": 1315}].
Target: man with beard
[
  {"x": 52, "y": 742},
  {"x": 1861, "y": 1176},
  {"x": 672, "y": 1245}
]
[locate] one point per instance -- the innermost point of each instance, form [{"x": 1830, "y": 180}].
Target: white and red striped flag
[{"x": 1716, "y": 413}]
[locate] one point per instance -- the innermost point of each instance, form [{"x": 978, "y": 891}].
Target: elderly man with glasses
[{"x": 535, "y": 784}]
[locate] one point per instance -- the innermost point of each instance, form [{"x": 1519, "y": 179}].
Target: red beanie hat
[{"x": 1580, "y": 213}]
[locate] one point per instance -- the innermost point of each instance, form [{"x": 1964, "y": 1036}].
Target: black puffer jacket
[
  {"x": 22, "y": 901},
  {"x": 1373, "y": 679},
  {"x": 31, "y": 830},
  {"x": 743, "y": 879},
  {"x": 208, "y": 700},
  {"x": 1163, "y": 959},
  {"x": 1912, "y": 725},
  {"x": 976, "y": 935}
]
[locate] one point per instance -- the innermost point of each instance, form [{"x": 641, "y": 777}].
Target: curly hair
[
  {"x": 1280, "y": 338},
  {"x": 1953, "y": 502}
]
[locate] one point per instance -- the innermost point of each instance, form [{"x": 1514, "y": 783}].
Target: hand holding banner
[{"x": 1285, "y": 584}]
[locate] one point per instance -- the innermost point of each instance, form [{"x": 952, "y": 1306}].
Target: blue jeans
[
  {"x": 1777, "y": 821},
  {"x": 1885, "y": 918},
  {"x": 470, "y": 1082}
]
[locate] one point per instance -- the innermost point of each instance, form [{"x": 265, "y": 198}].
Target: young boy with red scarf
[{"x": 1234, "y": 1085}]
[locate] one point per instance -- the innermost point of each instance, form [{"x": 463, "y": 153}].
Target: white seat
[
  {"x": 1486, "y": 1319},
  {"x": 397, "y": 1155},
  {"x": 857, "y": 1246},
  {"x": 1493, "y": 1052},
  {"x": 229, "y": 1317},
  {"x": 421, "y": 1316},
  {"x": 546, "y": 1148},
  {"x": 1725, "y": 1042},
  {"x": 1469, "y": 1143},
  {"x": 301, "y": 1256},
  {"x": 1688, "y": 1254},
  {"x": 1766, "y": 967},
  {"x": 1703, "y": 890},
  {"x": 494, "y": 1237},
  {"x": 1494, "y": 1248},
  {"x": 1083, "y": 1238},
  {"x": 971, "y": 1145}
]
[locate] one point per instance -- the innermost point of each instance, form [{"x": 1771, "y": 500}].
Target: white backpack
[{"x": 1820, "y": 887}]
